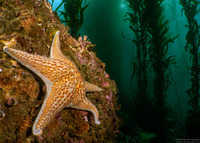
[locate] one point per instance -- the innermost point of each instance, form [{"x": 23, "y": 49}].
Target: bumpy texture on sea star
[{"x": 65, "y": 85}]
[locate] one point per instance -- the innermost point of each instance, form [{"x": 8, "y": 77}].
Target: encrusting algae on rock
[{"x": 29, "y": 26}]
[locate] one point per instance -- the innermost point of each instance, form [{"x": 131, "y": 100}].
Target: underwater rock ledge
[{"x": 29, "y": 26}]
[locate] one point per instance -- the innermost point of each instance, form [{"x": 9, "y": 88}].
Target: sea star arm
[
  {"x": 54, "y": 102},
  {"x": 85, "y": 104},
  {"x": 42, "y": 66},
  {"x": 57, "y": 53}
]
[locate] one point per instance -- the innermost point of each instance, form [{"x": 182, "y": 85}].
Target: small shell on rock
[
  {"x": 86, "y": 118},
  {"x": 11, "y": 101},
  {"x": 2, "y": 115}
]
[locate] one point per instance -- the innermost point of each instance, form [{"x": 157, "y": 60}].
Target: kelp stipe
[
  {"x": 160, "y": 62},
  {"x": 139, "y": 25},
  {"x": 192, "y": 123},
  {"x": 151, "y": 41}
]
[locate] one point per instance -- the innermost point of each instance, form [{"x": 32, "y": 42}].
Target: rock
[{"x": 29, "y": 25}]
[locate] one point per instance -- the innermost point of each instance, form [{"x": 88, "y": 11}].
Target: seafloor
[{"x": 29, "y": 25}]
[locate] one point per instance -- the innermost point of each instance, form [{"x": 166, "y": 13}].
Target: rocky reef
[{"x": 29, "y": 25}]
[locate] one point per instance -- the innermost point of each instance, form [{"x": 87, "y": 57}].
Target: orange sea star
[{"x": 65, "y": 85}]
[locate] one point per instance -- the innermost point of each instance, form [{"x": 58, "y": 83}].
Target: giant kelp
[
  {"x": 73, "y": 15},
  {"x": 192, "y": 125},
  {"x": 138, "y": 25},
  {"x": 160, "y": 62},
  {"x": 151, "y": 39},
  {"x": 30, "y": 26}
]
